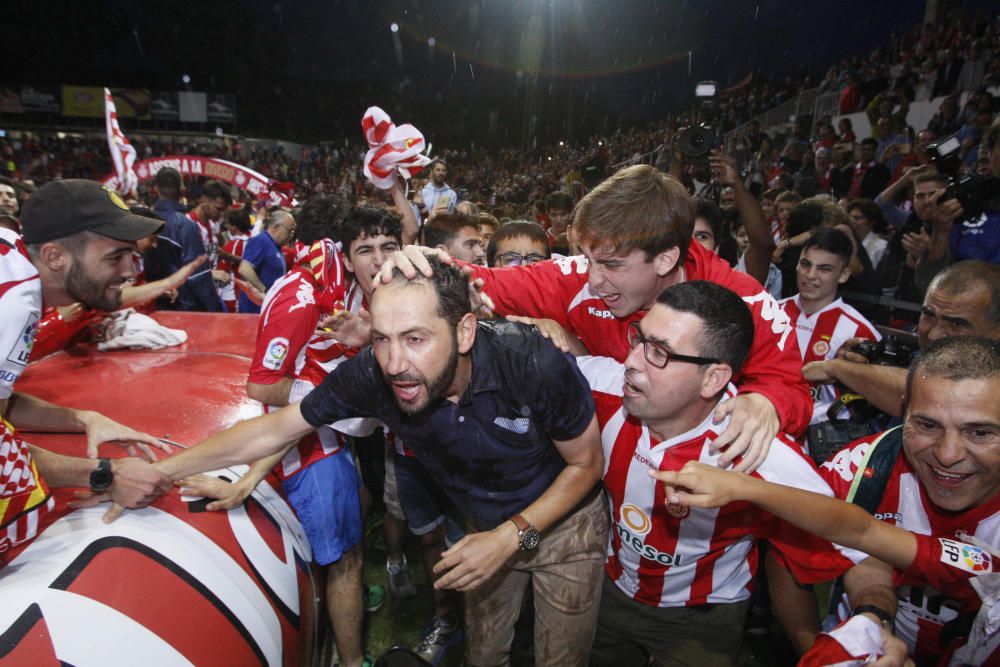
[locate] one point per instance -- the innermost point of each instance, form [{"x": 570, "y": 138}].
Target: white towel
[{"x": 127, "y": 329}]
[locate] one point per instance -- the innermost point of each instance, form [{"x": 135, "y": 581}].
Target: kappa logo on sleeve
[
  {"x": 21, "y": 351},
  {"x": 965, "y": 557},
  {"x": 277, "y": 350}
]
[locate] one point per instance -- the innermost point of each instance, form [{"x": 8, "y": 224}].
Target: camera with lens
[
  {"x": 697, "y": 141},
  {"x": 890, "y": 351},
  {"x": 974, "y": 192}
]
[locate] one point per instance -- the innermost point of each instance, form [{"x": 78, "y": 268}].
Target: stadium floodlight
[
  {"x": 394, "y": 27},
  {"x": 185, "y": 79}
]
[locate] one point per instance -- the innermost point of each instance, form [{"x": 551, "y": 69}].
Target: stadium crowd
[{"x": 530, "y": 338}]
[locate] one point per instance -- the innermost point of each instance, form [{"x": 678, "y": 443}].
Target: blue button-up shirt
[{"x": 492, "y": 452}]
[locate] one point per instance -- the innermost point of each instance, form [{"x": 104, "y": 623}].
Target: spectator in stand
[
  {"x": 438, "y": 196},
  {"x": 885, "y": 106},
  {"x": 946, "y": 119},
  {"x": 816, "y": 177},
  {"x": 869, "y": 177},
  {"x": 214, "y": 200},
  {"x": 456, "y": 234},
  {"x": 179, "y": 243},
  {"x": 973, "y": 70},
  {"x": 560, "y": 208},
  {"x": 846, "y": 128},
  {"x": 783, "y": 206},
  {"x": 842, "y": 170},
  {"x": 851, "y": 95},
  {"x": 263, "y": 261},
  {"x": 949, "y": 68},
  {"x": 238, "y": 227},
  {"x": 866, "y": 219},
  {"x": 917, "y": 157},
  {"x": 517, "y": 243}
]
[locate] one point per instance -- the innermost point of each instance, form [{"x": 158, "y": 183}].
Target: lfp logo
[{"x": 977, "y": 559}]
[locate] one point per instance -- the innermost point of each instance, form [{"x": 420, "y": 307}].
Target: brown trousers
[{"x": 565, "y": 573}]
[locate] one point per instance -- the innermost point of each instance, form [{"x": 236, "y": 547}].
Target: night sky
[{"x": 307, "y": 70}]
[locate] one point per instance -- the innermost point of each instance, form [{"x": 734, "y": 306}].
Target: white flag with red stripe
[
  {"x": 122, "y": 152},
  {"x": 392, "y": 149}
]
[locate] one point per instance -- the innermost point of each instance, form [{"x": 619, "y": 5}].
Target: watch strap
[
  {"x": 521, "y": 523},
  {"x": 888, "y": 621}
]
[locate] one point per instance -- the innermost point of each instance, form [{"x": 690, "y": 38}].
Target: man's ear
[
  {"x": 465, "y": 331},
  {"x": 54, "y": 257},
  {"x": 666, "y": 261},
  {"x": 845, "y": 275},
  {"x": 715, "y": 379}
]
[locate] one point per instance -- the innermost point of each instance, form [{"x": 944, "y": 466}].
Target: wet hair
[
  {"x": 962, "y": 277},
  {"x": 443, "y": 229},
  {"x": 638, "y": 208},
  {"x": 369, "y": 221},
  {"x": 833, "y": 241},
  {"x": 955, "y": 358},
  {"x": 320, "y": 218},
  {"x": 450, "y": 285},
  {"x": 727, "y": 324},
  {"x": 512, "y": 230}
]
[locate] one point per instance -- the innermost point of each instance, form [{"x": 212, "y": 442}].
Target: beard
[
  {"x": 435, "y": 388},
  {"x": 89, "y": 292}
]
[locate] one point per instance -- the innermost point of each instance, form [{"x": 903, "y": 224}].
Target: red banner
[{"x": 242, "y": 177}]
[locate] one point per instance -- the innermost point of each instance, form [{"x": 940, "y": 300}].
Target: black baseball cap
[{"x": 62, "y": 208}]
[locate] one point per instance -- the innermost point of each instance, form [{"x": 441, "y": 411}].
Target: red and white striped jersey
[
  {"x": 820, "y": 335},
  {"x": 922, "y": 610},
  {"x": 673, "y": 556},
  {"x": 234, "y": 246},
  {"x": 24, "y": 497},
  {"x": 288, "y": 346}
]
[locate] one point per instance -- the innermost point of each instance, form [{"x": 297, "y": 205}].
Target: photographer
[{"x": 962, "y": 300}]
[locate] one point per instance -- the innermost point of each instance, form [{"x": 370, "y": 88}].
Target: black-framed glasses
[
  {"x": 657, "y": 354},
  {"x": 517, "y": 259}
]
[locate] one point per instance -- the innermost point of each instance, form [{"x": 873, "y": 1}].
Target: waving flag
[
  {"x": 392, "y": 149},
  {"x": 122, "y": 152}
]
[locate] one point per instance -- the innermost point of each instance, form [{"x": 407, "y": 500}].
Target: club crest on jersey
[
  {"x": 277, "y": 350},
  {"x": 678, "y": 511},
  {"x": 820, "y": 348},
  {"x": 965, "y": 556}
]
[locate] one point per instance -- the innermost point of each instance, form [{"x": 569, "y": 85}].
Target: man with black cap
[
  {"x": 178, "y": 244},
  {"x": 77, "y": 247}
]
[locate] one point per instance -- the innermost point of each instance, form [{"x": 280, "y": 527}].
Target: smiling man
[
  {"x": 944, "y": 482},
  {"x": 823, "y": 322},
  {"x": 504, "y": 423}
]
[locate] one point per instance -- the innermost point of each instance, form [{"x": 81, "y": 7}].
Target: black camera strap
[{"x": 868, "y": 487}]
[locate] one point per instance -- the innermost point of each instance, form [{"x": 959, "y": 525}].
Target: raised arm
[{"x": 700, "y": 485}]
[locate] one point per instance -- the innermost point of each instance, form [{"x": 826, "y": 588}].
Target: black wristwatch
[
  {"x": 527, "y": 534},
  {"x": 888, "y": 621},
  {"x": 101, "y": 479}
]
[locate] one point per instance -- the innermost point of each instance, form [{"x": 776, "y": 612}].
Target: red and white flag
[
  {"x": 392, "y": 149},
  {"x": 122, "y": 152}
]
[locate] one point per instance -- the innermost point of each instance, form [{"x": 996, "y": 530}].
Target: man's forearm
[
  {"x": 882, "y": 386},
  {"x": 571, "y": 486},
  {"x": 870, "y": 583},
  {"x": 271, "y": 394},
  {"x": 245, "y": 442},
  {"x": 566, "y": 491},
  {"x": 59, "y": 470},
  {"x": 32, "y": 414},
  {"x": 248, "y": 273}
]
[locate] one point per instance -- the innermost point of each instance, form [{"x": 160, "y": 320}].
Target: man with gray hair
[{"x": 263, "y": 262}]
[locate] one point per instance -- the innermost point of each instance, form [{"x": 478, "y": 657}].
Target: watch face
[
  {"x": 100, "y": 480},
  {"x": 529, "y": 539}
]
